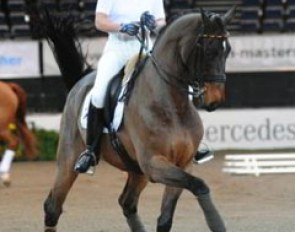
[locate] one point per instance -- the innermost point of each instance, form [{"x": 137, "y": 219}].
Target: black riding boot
[
  {"x": 203, "y": 156},
  {"x": 95, "y": 124}
]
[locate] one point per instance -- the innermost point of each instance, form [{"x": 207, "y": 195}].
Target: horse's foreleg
[
  {"x": 169, "y": 202},
  {"x": 63, "y": 182},
  {"x": 160, "y": 170},
  {"x": 129, "y": 200}
]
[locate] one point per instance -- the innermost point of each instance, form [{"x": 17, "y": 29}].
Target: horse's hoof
[
  {"x": 6, "y": 179},
  {"x": 49, "y": 229}
]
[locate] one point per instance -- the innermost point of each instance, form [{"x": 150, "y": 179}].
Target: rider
[{"x": 119, "y": 19}]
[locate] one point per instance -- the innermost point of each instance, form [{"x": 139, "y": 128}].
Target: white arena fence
[{"x": 256, "y": 164}]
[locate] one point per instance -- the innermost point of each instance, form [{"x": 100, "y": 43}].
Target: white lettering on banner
[
  {"x": 262, "y": 53},
  {"x": 250, "y": 129},
  {"x": 19, "y": 59}
]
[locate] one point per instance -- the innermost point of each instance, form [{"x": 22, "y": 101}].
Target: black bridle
[{"x": 197, "y": 83}]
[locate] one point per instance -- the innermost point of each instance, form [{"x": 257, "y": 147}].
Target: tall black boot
[{"x": 95, "y": 124}]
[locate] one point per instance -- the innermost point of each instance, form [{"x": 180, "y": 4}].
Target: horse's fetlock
[
  {"x": 51, "y": 214},
  {"x": 164, "y": 226},
  {"x": 129, "y": 211}
]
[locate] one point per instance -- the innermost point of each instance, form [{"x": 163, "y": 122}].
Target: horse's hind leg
[
  {"x": 63, "y": 182},
  {"x": 169, "y": 201},
  {"x": 160, "y": 170},
  {"x": 11, "y": 142},
  {"x": 129, "y": 201}
]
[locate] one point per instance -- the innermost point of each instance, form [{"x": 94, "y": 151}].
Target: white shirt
[{"x": 126, "y": 11}]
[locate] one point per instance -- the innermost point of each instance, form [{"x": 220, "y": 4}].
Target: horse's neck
[{"x": 161, "y": 90}]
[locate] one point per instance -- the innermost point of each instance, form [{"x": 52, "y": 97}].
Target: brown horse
[
  {"x": 13, "y": 127},
  {"x": 161, "y": 128}
]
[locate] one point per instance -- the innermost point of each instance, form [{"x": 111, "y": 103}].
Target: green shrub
[{"x": 47, "y": 144}]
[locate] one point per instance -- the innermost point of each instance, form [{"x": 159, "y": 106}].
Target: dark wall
[
  {"x": 271, "y": 89},
  {"x": 44, "y": 94},
  {"x": 244, "y": 90}
]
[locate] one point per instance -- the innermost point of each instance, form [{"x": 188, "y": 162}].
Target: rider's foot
[
  {"x": 86, "y": 162},
  {"x": 203, "y": 156}
]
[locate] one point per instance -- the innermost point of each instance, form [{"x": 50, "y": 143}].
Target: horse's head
[
  {"x": 196, "y": 45},
  {"x": 214, "y": 46}
]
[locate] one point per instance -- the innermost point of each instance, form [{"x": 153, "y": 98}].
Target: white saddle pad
[{"x": 118, "y": 113}]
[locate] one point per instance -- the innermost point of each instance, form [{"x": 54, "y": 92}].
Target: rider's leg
[
  {"x": 95, "y": 123},
  {"x": 108, "y": 66},
  {"x": 114, "y": 57}
]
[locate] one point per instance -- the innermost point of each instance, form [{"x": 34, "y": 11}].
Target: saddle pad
[{"x": 118, "y": 113}]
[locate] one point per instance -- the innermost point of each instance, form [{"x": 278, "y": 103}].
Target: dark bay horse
[
  {"x": 161, "y": 128},
  {"x": 13, "y": 127}
]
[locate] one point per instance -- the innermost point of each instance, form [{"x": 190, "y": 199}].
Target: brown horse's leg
[
  {"x": 9, "y": 139},
  {"x": 63, "y": 182},
  {"x": 129, "y": 200},
  {"x": 169, "y": 202},
  {"x": 11, "y": 142},
  {"x": 160, "y": 170}
]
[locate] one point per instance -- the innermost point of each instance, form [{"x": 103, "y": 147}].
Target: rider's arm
[{"x": 103, "y": 23}]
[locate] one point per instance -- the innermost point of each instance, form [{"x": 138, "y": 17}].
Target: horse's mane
[{"x": 178, "y": 16}]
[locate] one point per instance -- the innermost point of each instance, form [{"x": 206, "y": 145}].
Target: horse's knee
[{"x": 52, "y": 213}]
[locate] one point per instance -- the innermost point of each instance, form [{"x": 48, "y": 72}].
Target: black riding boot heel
[
  {"x": 89, "y": 158},
  {"x": 203, "y": 155}
]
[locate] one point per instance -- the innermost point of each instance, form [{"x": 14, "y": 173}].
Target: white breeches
[{"x": 115, "y": 55}]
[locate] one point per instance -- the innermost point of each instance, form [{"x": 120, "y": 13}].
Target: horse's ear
[
  {"x": 205, "y": 17},
  {"x": 229, "y": 15}
]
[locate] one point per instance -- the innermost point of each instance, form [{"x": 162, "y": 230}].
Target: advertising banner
[
  {"x": 19, "y": 59},
  {"x": 249, "y": 129},
  {"x": 257, "y": 53},
  {"x": 262, "y": 53}
]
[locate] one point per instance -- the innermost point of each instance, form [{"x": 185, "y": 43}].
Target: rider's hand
[
  {"x": 148, "y": 20},
  {"x": 130, "y": 29}
]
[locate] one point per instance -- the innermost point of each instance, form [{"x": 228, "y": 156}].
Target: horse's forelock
[{"x": 216, "y": 24}]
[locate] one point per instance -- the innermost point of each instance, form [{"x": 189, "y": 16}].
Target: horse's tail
[
  {"x": 28, "y": 139},
  {"x": 60, "y": 30}
]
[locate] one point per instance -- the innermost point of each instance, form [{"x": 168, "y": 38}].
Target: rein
[{"x": 197, "y": 91}]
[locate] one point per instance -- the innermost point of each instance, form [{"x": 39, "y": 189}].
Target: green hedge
[{"x": 47, "y": 144}]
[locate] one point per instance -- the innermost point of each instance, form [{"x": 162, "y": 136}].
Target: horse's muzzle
[{"x": 211, "y": 107}]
